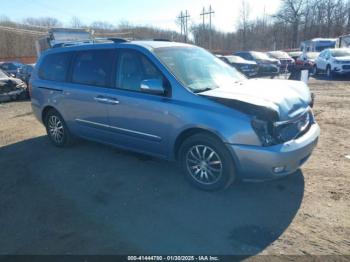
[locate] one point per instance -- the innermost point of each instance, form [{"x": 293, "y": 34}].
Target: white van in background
[
  {"x": 343, "y": 41},
  {"x": 318, "y": 44}
]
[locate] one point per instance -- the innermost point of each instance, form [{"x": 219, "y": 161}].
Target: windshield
[
  {"x": 236, "y": 59},
  {"x": 340, "y": 53},
  {"x": 3, "y": 74},
  {"x": 197, "y": 69},
  {"x": 260, "y": 56},
  {"x": 279, "y": 55}
]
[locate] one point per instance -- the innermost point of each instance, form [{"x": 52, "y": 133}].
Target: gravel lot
[{"x": 94, "y": 199}]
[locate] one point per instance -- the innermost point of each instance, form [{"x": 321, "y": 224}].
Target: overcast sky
[{"x": 160, "y": 13}]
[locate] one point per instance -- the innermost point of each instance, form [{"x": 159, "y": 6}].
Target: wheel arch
[{"x": 45, "y": 110}]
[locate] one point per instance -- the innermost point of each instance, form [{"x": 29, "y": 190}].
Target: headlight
[{"x": 263, "y": 130}]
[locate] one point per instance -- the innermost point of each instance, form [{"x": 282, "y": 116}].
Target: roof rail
[
  {"x": 117, "y": 40},
  {"x": 71, "y": 43}
]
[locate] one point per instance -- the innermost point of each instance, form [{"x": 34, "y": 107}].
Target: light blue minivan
[{"x": 177, "y": 102}]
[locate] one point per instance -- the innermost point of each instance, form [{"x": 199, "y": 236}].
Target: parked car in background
[
  {"x": 248, "y": 68},
  {"x": 333, "y": 61},
  {"x": 267, "y": 66},
  {"x": 10, "y": 67},
  {"x": 11, "y": 88},
  {"x": 287, "y": 63},
  {"x": 295, "y": 54},
  {"x": 24, "y": 72},
  {"x": 306, "y": 61},
  {"x": 177, "y": 102}
]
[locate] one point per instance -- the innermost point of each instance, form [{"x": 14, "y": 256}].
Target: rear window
[
  {"x": 55, "y": 67},
  {"x": 93, "y": 67}
]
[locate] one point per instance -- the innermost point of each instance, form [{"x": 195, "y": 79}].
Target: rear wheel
[
  {"x": 207, "y": 162},
  {"x": 57, "y": 130}
]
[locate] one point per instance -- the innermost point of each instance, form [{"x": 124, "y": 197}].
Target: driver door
[{"x": 140, "y": 121}]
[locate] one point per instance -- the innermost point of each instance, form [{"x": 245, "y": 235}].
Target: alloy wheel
[
  {"x": 56, "y": 129},
  {"x": 204, "y": 164}
]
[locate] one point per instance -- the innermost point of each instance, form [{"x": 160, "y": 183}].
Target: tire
[
  {"x": 57, "y": 130},
  {"x": 329, "y": 72},
  {"x": 207, "y": 163}
]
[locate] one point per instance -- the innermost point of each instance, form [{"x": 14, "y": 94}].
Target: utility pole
[
  {"x": 210, "y": 13},
  {"x": 203, "y": 14},
  {"x": 184, "y": 23},
  {"x": 181, "y": 19},
  {"x": 187, "y": 16}
]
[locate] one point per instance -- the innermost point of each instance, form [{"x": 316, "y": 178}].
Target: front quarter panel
[{"x": 231, "y": 126}]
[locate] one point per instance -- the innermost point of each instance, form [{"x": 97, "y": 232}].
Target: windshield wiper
[{"x": 200, "y": 90}]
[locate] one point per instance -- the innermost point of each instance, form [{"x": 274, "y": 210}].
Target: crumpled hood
[
  {"x": 287, "y": 98},
  {"x": 10, "y": 84}
]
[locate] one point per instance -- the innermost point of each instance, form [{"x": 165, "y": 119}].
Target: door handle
[
  {"x": 100, "y": 99},
  {"x": 106, "y": 100},
  {"x": 112, "y": 101}
]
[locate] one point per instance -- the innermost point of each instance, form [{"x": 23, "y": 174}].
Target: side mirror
[{"x": 152, "y": 86}]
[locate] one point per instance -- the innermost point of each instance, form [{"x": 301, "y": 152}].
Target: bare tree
[
  {"x": 75, "y": 22},
  {"x": 244, "y": 22},
  {"x": 102, "y": 26},
  {"x": 292, "y": 12},
  {"x": 42, "y": 22}
]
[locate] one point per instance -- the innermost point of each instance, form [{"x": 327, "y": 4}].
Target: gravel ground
[{"x": 94, "y": 199}]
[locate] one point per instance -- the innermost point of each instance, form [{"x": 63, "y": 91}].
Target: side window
[
  {"x": 55, "y": 67},
  {"x": 240, "y": 55},
  {"x": 93, "y": 67},
  {"x": 133, "y": 69}
]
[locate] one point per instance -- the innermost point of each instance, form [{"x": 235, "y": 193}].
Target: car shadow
[{"x": 95, "y": 199}]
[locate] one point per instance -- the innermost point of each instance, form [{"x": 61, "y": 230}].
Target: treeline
[
  {"x": 296, "y": 20},
  {"x": 18, "y": 39}
]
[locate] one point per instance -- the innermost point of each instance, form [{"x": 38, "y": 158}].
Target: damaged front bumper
[{"x": 264, "y": 163}]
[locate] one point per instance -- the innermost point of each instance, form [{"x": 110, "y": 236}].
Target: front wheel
[{"x": 207, "y": 162}]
